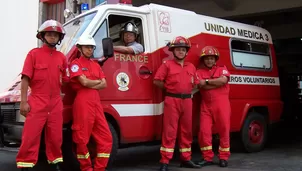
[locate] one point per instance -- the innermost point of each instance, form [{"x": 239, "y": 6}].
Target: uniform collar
[
  {"x": 208, "y": 69},
  {"x": 83, "y": 58},
  {"x": 48, "y": 49},
  {"x": 185, "y": 63}
]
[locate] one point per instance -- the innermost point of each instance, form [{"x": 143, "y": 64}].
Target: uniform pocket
[
  {"x": 78, "y": 133},
  {"x": 174, "y": 76},
  {"x": 86, "y": 72},
  {"x": 40, "y": 72},
  {"x": 216, "y": 73},
  {"x": 190, "y": 76},
  {"x": 60, "y": 71}
]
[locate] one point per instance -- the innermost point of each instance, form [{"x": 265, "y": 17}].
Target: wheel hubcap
[{"x": 256, "y": 132}]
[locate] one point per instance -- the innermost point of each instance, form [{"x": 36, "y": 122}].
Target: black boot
[
  {"x": 24, "y": 169},
  {"x": 1, "y": 137},
  {"x": 189, "y": 164},
  {"x": 55, "y": 167},
  {"x": 205, "y": 163},
  {"x": 163, "y": 167},
  {"x": 223, "y": 163}
]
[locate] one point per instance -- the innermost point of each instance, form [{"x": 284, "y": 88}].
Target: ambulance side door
[{"x": 129, "y": 77}]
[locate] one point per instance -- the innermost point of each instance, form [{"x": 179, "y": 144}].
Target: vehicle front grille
[
  {"x": 9, "y": 116},
  {"x": 8, "y": 112}
]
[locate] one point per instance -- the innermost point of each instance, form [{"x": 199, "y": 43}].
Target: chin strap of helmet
[
  {"x": 81, "y": 50},
  {"x": 50, "y": 44},
  {"x": 178, "y": 57}
]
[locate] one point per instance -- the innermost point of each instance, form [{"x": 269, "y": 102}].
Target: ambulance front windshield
[{"x": 73, "y": 31}]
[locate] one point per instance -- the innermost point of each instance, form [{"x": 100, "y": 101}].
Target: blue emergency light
[{"x": 84, "y": 6}]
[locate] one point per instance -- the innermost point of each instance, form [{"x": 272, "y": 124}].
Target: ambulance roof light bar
[{"x": 125, "y": 2}]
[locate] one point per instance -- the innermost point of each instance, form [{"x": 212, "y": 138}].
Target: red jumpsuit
[
  {"x": 177, "y": 118},
  {"x": 46, "y": 68},
  {"x": 215, "y": 111},
  {"x": 88, "y": 116}
]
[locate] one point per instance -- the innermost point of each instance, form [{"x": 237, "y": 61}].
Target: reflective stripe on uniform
[
  {"x": 57, "y": 160},
  {"x": 224, "y": 149},
  {"x": 171, "y": 150},
  {"x": 182, "y": 150},
  {"x": 80, "y": 156},
  {"x": 206, "y": 148},
  {"x": 25, "y": 164},
  {"x": 104, "y": 155}
]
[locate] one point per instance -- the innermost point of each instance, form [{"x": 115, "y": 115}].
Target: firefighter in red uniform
[
  {"x": 177, "y": 77},
  {"x": 215, "y": 106},
  {"x": 44, "y": 71},
  {"x": 87, "y": 79}
]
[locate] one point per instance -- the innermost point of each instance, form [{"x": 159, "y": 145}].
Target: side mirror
[
  {"x": 107, "y": 47},
  {"x": 68, "y": 13}
]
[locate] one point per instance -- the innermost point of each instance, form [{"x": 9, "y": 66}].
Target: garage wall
[
  {"x": 19, "y": 28},
  {"x": 56, "y": 11}
]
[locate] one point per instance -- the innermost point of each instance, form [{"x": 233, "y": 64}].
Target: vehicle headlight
[
  {"x": 19, "y": 117},
  {"x": 1, "y": 115}
]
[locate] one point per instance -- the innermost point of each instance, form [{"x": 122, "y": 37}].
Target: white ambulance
[{"x": 133, "y": 105}]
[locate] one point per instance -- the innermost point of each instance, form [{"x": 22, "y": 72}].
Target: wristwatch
[{"x": 207, "y": 82}]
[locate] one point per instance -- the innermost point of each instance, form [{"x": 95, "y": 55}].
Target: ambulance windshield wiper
[{"x": 77, "y": 22}]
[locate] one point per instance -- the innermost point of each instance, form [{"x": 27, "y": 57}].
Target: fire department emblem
[
  {"x": 74, "y": 68},
  {"x": 122, "y": 80}
]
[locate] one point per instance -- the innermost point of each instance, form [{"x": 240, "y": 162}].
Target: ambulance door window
[
  {"x": 101, "y": 33},
  {"x": 116, "y": 22},
  {"x": 250, "y": 55}
]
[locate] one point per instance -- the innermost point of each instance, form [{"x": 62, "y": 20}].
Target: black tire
[
  {"x": 115, "y": 145},
  {"x": 70, "y": 161},
  {"x": 254, "y": 132}
]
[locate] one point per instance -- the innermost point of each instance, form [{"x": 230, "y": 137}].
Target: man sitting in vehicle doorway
[{"x": 128, "y": 34}]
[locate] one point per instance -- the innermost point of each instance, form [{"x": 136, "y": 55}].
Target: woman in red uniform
[{"x": 87, "y": 78}]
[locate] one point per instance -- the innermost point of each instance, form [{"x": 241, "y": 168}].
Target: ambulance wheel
[
  {"x": 69, "y": 157},
  {"x": 254, "y": 132},
  {"x": 115, "y": 145},
  {"x": 92, "y": 146},
  {"x": 68, "y": 149}
]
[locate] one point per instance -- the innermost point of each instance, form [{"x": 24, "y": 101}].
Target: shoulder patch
[
  {"x": 74, "y": 68},
  {"x": 224, "y": 71}
]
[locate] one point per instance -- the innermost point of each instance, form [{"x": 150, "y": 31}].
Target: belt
[{"x": 181, "y": 96}]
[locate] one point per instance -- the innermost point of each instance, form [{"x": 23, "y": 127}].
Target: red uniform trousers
[
  {"x": 35, "y": 121},
  {"x": 46, "y": 69},
  {"x": 215, "y": 112},
  {"x": 177, "y": 120},
  {"x": 89, "y": 119}
]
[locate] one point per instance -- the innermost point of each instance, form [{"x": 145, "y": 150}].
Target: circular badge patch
[
  {"x": 122, "y": 80},
  {"x": 74, "y": 68}
]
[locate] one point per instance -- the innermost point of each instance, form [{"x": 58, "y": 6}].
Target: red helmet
[
  {"x": 53, "y": 26},
  {"x": 209, "y": 51},
  {"x": 179, "y": 41}
]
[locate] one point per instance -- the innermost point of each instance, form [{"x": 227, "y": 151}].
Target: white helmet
[{"x": 86, "y": 40}]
